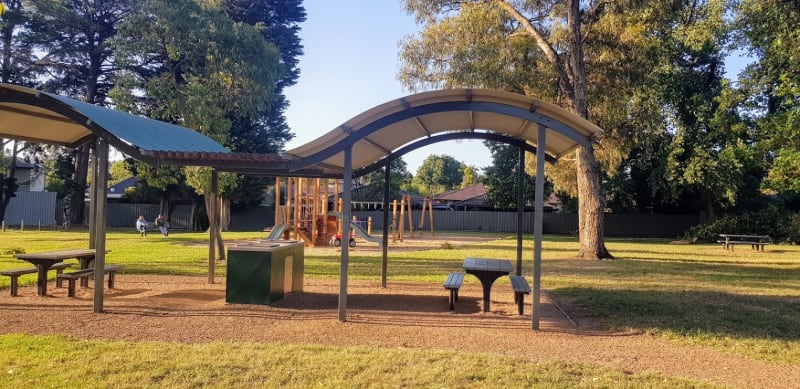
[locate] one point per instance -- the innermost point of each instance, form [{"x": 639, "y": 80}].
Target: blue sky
[{"x": 350, "y": 65}]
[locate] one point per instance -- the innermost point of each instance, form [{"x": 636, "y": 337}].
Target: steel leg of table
[
  {"x": 41, "y": 282},
  {"x": 487, "y": 291},
  {"x": 85, "y": 263}
]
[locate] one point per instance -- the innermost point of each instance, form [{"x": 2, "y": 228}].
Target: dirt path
[{"x": 414, "y": 315}]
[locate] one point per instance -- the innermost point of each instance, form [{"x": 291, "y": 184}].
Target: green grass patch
[
  {"x": 61, "y": 362},
  {"x": 746, "y": 302}
]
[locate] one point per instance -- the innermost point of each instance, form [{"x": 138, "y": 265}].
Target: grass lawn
[{"x": 744, "y": 302}]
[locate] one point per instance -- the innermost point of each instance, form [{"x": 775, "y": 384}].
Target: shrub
[{"x": 780, "y": 225}]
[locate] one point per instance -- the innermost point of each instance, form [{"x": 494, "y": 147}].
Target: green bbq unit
[{"x": 262, "y": 273}]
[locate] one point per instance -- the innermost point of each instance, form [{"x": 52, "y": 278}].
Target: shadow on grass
[{"x": 689, "y": 312}]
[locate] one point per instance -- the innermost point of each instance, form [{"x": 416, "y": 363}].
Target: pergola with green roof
[{"x": 368, "y": 141}]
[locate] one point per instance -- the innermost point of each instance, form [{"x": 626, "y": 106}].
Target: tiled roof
[{"x": 470, "y": 192}]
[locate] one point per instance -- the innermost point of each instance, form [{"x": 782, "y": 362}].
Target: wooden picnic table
[
  {"x": 487, "y": 271},
  {"x": 44, "y": 260},
  {"x": 755, "y": 241}
]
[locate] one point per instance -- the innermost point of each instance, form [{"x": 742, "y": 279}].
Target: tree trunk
[
  {"x": 590, "y": 198},
  {"x": 220, "y": 244},
  {"x": 77, "y": 198},
  {"x": 8, "y": 183},
  {"x": 590, "y": 208},
  {"x": 224, "y": 214}
]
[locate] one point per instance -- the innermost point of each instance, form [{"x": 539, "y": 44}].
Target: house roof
[
  {"x": 468, "y": 193},
  {"x": 118, "y": 190},
  {"x": 22, "y": 164}
]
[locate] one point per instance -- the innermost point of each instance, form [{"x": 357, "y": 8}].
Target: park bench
[
  {"x": 73, "y": 276},
  {"x": 453, "y": 283},
  {"x": 15, "y": 273},
  {"x": 521, "y": 288}
]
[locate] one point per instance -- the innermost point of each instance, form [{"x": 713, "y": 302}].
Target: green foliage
[
  {"x": 201, "y": 69},
  {"x": 501, "y": 179},
  {"x": 439, "y": 173},
  {"x": 769, "y": 29},
  {"x": 780, "y": 225},
  {"x": 370, "y": 186},
  {"x": 469, "y": 177}
]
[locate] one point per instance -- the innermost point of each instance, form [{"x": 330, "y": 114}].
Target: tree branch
[{"x": 564, "y": 79}]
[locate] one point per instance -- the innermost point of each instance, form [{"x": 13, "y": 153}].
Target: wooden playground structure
[{"x": 307, "y": 215}]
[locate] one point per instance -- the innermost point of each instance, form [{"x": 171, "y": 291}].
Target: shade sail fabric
[{"x": 375, "y": 133}]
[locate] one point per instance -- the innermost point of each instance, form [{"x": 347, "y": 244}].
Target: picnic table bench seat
[
  {"x": 730, "y": 243},
  {"x": 453, "y": 283},
  {"x": 15, "y": 273},
  {"x": 521, "y": 288},
  {"x": 85, "y": 273}
]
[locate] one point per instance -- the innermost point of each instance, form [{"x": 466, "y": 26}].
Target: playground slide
[
  {"x": 360, "y": 231},
  {"x": 277, "y": 232}
]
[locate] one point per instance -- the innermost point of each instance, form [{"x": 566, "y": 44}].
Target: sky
[{"x": 349, "y": 65}]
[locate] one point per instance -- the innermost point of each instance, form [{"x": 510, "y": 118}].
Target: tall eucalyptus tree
[{"x": 77, "y": 61}]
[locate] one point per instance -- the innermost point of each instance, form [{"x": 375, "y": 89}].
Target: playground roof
[
  {"x": 377, "y": 132},
  {"x": 42, "y": 117}
]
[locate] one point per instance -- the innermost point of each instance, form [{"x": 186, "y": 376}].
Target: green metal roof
[{"x": 36, "y": 116}]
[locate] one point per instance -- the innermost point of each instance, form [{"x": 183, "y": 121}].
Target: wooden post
[
  {"x": 277, "y": 200},
  {"x": 101, "y": 178},
  {"x": 369, "y": 225},
  {"x": 336, "y": 203},
  {"x": 325, "y": 208},
  {"x": 212, "y": 226},
  {"x": 402, "y": 228},
  {"x": 421, "y": 225},
  {"x": 339, "y": 222},
  {"x": 410, "y": 217},
  {"x": 287, "y": 207},
  {"x": 430, "y": 212},
  {"x": 315, "y": 211},
  {"x": 297, "y": 202},
  {"x": 394, "y": 221}
]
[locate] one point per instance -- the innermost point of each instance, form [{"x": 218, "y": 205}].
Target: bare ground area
[{"x": 405, "y": 314}]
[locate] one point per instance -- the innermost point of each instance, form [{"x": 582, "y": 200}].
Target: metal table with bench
[
  {"x": 44, "y": 261},
  {"x": 756, "y": 242},
  {"x": 487, "y": 271}
]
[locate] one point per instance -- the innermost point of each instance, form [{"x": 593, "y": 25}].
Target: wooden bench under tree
[
  {"x": 85, "y": 273},
  {"x": 15, "y": 273},
  {"x": 521, "y": 288},
  {"x": 453, "y": 283}
]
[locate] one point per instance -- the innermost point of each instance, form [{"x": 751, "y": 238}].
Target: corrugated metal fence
[
  {"x": 623, "y": 225},
  {"x": 125, "y": 215},
  {"x": 32, "y": 208},
  {"x": 36, "y": 207}
]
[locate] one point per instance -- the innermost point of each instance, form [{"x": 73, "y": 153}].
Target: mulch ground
[{"x": 405, "y": 314}]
